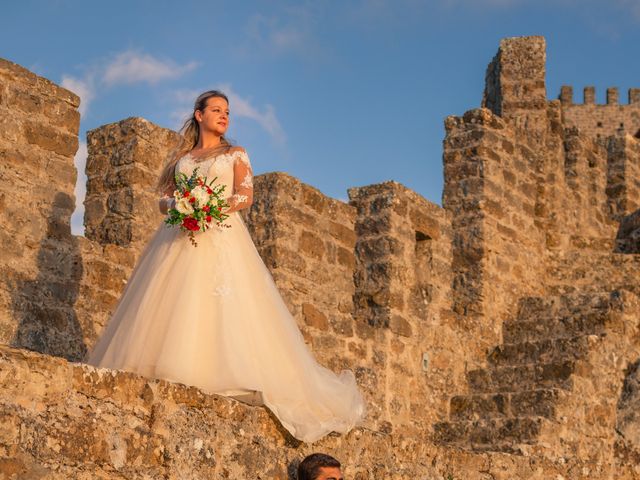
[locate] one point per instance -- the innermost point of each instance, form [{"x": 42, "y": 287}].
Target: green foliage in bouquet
[{"x": 199, "y": 203}]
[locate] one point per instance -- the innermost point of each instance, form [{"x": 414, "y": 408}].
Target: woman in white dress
[{"x": 211, "y": 316}]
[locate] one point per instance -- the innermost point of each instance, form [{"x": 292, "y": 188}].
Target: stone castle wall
[
  {"x": 495, "y": 334},
  {"x": 122, "y": 426},
  {"x": 605, "y": 120},
  {"x": 121, "y": 206},
  {"x": 40, "y": 262}
]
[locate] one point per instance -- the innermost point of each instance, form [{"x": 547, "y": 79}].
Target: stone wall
[
  {"x": 623, "y": 175},
  {"x": 496, "y": 160},
  {"x": 402, "y": 304},
  {"x": 522, "y": 183},
  {"x": 124, "y": 158},
  {"x": 40, "y": 261},
  {"x": 628, "y": 238},
  {"x": 307, "y": 241},
  {"x": 490, "y": 189},
  {"x": 602, "y": 120},
  {"x": 66, "y": 421},
  {"x": 584, "y": 212},
  {"x": 515, "y": 85},
  {"x": 493, "y": 337}
]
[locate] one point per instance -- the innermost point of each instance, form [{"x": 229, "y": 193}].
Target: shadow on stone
[
  {"x": 628, "y": 235},
  {"x": 628, "y": 411},
  {"x": 44, "y": 306},
  {"x": 292, "y": 470}
]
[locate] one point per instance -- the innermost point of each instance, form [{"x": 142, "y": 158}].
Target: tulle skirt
[{"x": 211, "y": 316}]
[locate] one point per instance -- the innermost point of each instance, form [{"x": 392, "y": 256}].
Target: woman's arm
[
  {"x": 242, "y": 183},
  {"x": 166, "y": 202}
]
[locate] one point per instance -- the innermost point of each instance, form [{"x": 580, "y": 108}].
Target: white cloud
[
  {"x": 81, "y": 87},
  {"x": 267, "y": 119},
  {"x": 286, "y": 30},
  {"x": 276, "y": 35},
  {"x": 179, "y": 116},
  {"x": 384, "y": 9},
  {"x": 132, "y": 67},
  {"x": 632, "y": 6},
  {"x": 184, "y": 99},
  {"x": 483, "y": 3},
  {"x": 126, "y": 68},
  {"x": 77, "y": 219}
]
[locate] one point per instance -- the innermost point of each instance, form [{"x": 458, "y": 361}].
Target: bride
[{"x": 211, "y": 316}]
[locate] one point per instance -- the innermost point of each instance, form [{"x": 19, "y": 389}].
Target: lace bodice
[{"x": 232, "y": 169}]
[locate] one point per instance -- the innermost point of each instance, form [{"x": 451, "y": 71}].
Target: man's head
[{"x": 319, "y": 466}]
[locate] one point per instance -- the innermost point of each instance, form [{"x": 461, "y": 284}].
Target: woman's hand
[{"x": 166, "y": 203}]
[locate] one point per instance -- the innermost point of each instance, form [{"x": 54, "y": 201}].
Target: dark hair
[
  {"x": 309, "y": 468},
  {"x": 190, "y": 135}
]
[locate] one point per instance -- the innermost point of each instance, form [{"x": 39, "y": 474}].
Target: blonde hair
[{"x": 190, "y": 135}]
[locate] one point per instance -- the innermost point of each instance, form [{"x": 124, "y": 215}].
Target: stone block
[
  {"x": 314, "y": 317},
  {"x": 311, "y": 245}
]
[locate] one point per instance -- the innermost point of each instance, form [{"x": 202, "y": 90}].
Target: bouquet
[{"x": 198, "y": 205}]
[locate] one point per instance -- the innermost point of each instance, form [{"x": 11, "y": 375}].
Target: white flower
[
  {"x": 200, "y": 194},
  {"x": 183, "y": 206}
]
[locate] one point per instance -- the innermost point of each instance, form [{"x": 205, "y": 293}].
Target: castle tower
[{"x": 515, "y": 86}]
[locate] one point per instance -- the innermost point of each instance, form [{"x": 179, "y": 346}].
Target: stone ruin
[{"x": 495, "y": 337}]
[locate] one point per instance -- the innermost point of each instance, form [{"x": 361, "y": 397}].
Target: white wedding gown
[{"x": 211, "y": 316}]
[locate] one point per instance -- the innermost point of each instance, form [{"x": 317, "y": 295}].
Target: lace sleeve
[
  {"x": 166, "y": 202},
  {"x": 242, "y": 196}
]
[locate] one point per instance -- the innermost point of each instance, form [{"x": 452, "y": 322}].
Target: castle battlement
[
  {"x": 589, "y": 96},
  {"x": 602, "y": 120}
]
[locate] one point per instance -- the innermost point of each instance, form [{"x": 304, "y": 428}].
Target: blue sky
[{"x": 337, "y": 93}]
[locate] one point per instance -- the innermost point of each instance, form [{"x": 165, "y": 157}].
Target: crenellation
[
  {"x": 589, "y": 95},
  {"x": 121, "y": 155},
  {"x": 566, "y": 95},
  {"x": 600, "y": 121}
]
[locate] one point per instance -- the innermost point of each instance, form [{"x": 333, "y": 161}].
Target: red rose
[
  {"x": 208, "y": 218},
  {"x": 206, "y": 208},
  {"x": 185, "y": 194},
  {"x": 191, "y": 224},
  {"x": 192, "y": 200},
  {"x": 209, "y": 191}
]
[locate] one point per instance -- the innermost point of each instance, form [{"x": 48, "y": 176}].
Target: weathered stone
[
  {"x": 122, "y": 164},
  {"x": 311, "y": 245},
  {"x": 501, "y": 322},
  {"x": 628, "y": 418},
  {"x": 401, "y": 326},
  {"x": 314, "y": 318}
]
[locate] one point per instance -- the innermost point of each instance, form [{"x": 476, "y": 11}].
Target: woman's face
[{"x": 215, "y": 116}]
